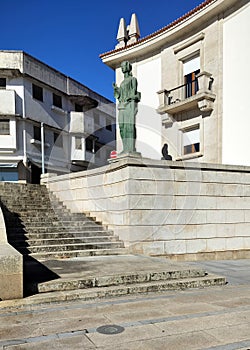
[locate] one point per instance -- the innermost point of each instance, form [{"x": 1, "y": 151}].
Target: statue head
[{"x": 126, "y": 67}]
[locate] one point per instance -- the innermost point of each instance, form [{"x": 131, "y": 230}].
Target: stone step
[
  {"x": 42, "y": 229},
  {"x": 36, "y": 227},
  {"x": 78, "y": 253},
  {"x": 69, "y": 247},
  {"x": 64, "y": 241},
  {"x": 17, "y": 198},
  {"x": 130, "y": 289},
  {"x": 37, "y": 223},
  {"x": 63, "y": 284},
  {"x": 24, "y": 209},
  {"x": 85, "y": 235},
  {"x": 31, "y": 216}
]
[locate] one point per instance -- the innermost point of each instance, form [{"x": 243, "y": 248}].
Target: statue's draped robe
[{"x": 128, "y": 97}]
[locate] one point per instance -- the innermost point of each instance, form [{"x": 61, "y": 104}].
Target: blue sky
[{"x": 69, "y": 35}]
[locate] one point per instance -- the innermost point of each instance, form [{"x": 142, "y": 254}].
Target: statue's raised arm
[{"x": 128, "y": 98}]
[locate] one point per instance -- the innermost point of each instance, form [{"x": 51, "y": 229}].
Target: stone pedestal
[
  {"x": 11, "y": 267},
  {"x": 11, "y": 273},
  {"x": 126, "y": 155}
]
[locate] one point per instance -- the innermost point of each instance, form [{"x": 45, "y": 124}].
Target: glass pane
[
  {"x": 78, "y": 143},
  {"x": 4, "y": 127}
]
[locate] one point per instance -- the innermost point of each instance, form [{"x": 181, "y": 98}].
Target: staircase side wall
[
  {"x": 181, "y": 210},
  {"x": 11, "y": 267}
]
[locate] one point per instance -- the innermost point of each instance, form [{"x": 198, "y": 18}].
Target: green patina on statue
[{"x": 128, "y": 98}]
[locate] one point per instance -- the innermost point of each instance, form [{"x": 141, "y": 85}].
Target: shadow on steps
[{"x": 34, "y": 273}]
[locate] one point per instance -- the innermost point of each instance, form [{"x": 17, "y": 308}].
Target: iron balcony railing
[{"x": 182, "y": 92}]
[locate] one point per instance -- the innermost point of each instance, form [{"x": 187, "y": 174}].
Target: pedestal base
[{"x": 123, "y": 155}]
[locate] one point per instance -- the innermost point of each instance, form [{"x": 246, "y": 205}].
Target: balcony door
[{"x": 191, "y": 68}]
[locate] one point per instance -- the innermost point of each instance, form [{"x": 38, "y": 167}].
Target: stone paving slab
[
  {"x": 110, "y": 265},
  {"x": 217, "y": 318}
]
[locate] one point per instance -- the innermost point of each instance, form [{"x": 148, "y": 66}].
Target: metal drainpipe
[
  {"x": 42, "y": 147},
  {"x": 25, "y": 160}
]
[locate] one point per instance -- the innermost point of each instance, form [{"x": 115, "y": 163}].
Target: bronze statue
[{"x": 128, "y": 98}]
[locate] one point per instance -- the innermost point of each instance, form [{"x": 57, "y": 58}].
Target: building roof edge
[{"x": 162, "y": 30}]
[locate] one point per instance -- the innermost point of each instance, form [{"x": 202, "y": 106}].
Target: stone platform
[{"x": 97, "y": 277}]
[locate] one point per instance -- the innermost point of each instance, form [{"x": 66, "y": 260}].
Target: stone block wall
[
  {"x": 181, "y": 210},
  {"x": 11, "y": 267}
]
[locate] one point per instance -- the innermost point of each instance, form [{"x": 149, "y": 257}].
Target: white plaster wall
[
  {"x": 17, "y": 85},
  {"x": 8, "y": 142},
  {"x": 236, "y": 116},
  {"x": 148, "y": 120}
]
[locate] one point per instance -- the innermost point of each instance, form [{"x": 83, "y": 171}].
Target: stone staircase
[
  {"x": 39, "y": 226},
  {"x": 70, "y": 256}
]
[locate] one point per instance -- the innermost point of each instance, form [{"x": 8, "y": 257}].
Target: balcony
[
  {"x": 193, "y": 95},
  {"x": 81, "y": 123},
  {"x": 82, "y": 158},
  {"x": 7, "y": 102}
]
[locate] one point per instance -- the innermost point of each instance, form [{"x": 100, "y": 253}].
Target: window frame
[
  {"x": 78, "y": 147},
  {"x": 37, "y": 92},
  {"x": 5, "y": 131},
  {"x": 37, "y": 133},
  {"x": 3, "y": 83},
  {"x": 87, "y": 144},
  {"x": 57, "y": 100},
  {"x": 186, "y": 126}
]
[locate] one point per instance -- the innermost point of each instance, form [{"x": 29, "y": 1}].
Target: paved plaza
[{"x": 212, "y": 318}]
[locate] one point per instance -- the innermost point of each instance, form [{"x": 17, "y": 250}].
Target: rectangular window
[
  {"x": 4, "y": 127},
  {"x": 108, "y": 124},
  {"x": 37, "y": 92},
  {"x": 78, "y": 108},
  {"x": 37, "y": 133},
  {"x": 58, "y": 139},
  {"x": 78, "y": 143},
  {"x": 191, "y": 68},
  {"x": 2, "y": 83},
  {"x": 57, "y": 100},
  {"x": 89, "y": 144},
  {"x": 191, "y": 140}
]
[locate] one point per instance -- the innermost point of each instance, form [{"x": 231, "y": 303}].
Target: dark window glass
[
  {"x": 37, "y": 133},
  {"x": 191, "y": 82},
  {"x": 4, "y": 127},
  {"x": 57, "y": 101},
  {"x": 37, "y": 92},
  {"x": 89, "y": 144},
  {"x": 2, "y": 82},
  {"x": 192, "y": 148},
  {"x": 78, "y": 108}
]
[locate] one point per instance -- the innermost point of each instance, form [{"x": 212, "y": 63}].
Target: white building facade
[
  {"x": 48, "y": 121},
  {"x": 193, "y": 77}
]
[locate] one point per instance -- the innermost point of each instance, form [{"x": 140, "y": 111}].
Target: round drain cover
[{"x": 110, "y": 329}]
